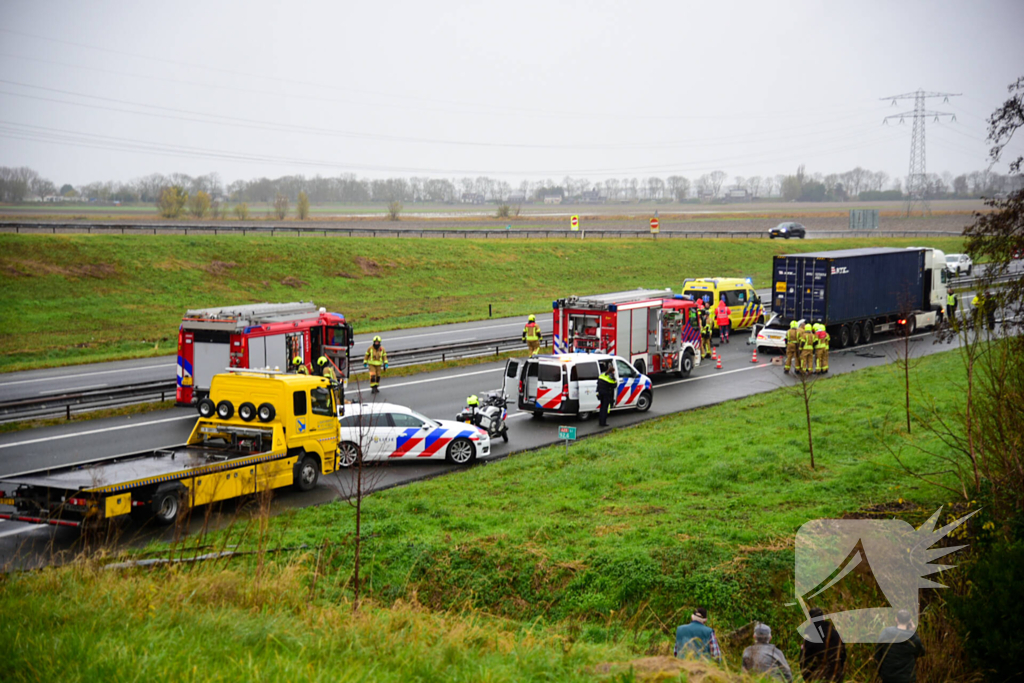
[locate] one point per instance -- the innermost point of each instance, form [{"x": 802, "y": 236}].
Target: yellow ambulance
[{"x": 744, "y": 304}]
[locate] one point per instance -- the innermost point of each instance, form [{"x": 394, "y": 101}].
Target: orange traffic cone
[
  {"x": 714, "y": 353},
  {"x": 719, "y": 365},
  {"x": 754, "y": 359}
]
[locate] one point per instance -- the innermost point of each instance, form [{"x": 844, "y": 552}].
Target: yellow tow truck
[{"x": 267, "y": 430}]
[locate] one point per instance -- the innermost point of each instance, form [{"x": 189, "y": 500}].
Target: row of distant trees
[{"x": 19, "y": 184}]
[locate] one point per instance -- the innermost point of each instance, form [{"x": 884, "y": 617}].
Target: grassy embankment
[
  {"x": 536, "y": 567},
  {"x": 79, "y": 298}
]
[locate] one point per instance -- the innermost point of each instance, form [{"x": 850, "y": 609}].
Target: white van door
[
  {"x": 629, "y": 386},
  {"x": 583, "y": 383},
  {"x": 551, "y": 377},
  {"x": 511, "y": 376}
]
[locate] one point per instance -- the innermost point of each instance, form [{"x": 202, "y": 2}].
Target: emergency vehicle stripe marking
[
  {"x": 406, "y": 442},
  {"x": 636, "y": 391},
  {"x": 433, "y": 443}
]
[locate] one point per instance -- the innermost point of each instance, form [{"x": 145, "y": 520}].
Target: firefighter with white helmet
[
  {"x": 532, "y": 335},
  {"x": 376, "y": 359}
]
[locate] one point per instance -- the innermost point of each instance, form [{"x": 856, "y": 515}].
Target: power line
[{"x": 917, "y": 177}]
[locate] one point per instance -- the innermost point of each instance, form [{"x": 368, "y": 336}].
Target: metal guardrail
[
  {"x": 163, "y": 390},
  {"x": 82, "y": 401},
  {"x": 399, "y": 233}
]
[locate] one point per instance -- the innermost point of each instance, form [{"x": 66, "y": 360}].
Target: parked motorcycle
[{"x": 488, "y": 413}]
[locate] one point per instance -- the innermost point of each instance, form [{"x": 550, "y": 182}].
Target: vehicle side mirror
[{"x": 424, "y": 426}]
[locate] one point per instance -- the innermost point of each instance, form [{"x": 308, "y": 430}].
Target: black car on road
[{"x": 788, "y": 230}]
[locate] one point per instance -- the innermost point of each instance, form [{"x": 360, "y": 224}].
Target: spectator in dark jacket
[
  {"x": 896, "y": 653},
  {"x": 824, "y": 660}
]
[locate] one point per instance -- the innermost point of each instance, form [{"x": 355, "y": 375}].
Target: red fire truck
[
  {"x": 650, "y": 327},
  {"x": 256, "y": 336}
]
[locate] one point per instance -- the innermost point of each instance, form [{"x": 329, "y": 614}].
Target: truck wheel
[
  {"x": 266, "y": 412},
  {"x": 912, "y": 325},
  {"x": 854, "y": 334},
  {"x": 867, "y": 332},
  {"x": 640, "y": 366},
  {"x": 166, "y": 506},
  {"x": 307, "y": 473},
  {"x": 225, "y": 410},
  {"x": 348, "y": 454},
  {"x": 247, "y": 411},
  {"x": 461, "y": 452},
  {"x": 206, "y": 408},
  {"x": 643, "y": 404},
  {"x": 686, "y": 364},
  {"x": 844, "y": 336}
]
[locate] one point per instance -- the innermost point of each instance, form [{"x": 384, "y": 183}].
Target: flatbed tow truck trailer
[{"x": 290, "y": 439}]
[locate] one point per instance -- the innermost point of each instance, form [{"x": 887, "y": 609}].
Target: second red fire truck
[
  {"x": 650, "y": 327},
  {"x": 256, "y": 336}
]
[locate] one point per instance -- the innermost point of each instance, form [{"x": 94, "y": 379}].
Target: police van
[{"x": 566, "y": 383}]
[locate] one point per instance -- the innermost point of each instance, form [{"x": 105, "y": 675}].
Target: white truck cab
[{"x": 566, "y": 384}]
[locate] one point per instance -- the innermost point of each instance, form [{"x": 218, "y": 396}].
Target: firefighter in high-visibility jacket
[
  {"x": 807, "y": 343},
  {"x": 376, "y": 359},
  {"x": 792, "y": 339},
  {"x": 532, "y": 335},
  {"x": 298, "y": 367},
  {"x": 706, "y": 330},
  {"x": 326, "y": 369},
  {"x": 821, "y": 347}
]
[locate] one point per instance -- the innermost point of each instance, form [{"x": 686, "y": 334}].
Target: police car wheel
[
  {"x": 348, "y": 454},
  {"x": 538, "y": 413},
  {"x": 461, "y": 452},
  {"x": 643, "y": 404},
  {"x": 584, "y": 416},
  {"x": 207, "y": 408},
  {"x": 247, "y": 411}
]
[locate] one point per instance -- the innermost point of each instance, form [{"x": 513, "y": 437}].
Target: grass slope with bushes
[
  {"x": 537, "y": 567},
  {"x": 84, "y": 298}
]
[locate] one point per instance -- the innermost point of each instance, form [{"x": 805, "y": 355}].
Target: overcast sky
[{"x": 115, "y": 90}]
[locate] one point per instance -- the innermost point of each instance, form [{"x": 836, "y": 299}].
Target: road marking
[
  {"x": 85, "y": 374},
  {"x": 22, "y": 530},
  {"x": 96, "y": 431},
  {"x": 61, "y": 391},
  {"x": 440, "y": 379}
]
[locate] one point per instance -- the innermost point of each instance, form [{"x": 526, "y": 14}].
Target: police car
[{"x": 385, "y": 431}]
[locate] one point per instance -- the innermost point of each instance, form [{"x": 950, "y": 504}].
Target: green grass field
[
  {"x": 537, "y": 567},
  {"x": 81, "y": 298}
]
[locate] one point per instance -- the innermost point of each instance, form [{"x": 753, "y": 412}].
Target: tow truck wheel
[
  {"x": 686, "y": 363},
  {"x": 247, "y": 411},
  {"x": 225, "y": 410},
  {"x": 307, "y": 473},
  {"x": 166, "y": 506},
  {"x": 348, "y": 454},
  {"x": 461, "y": 452},
  {"x": 643, "y": 404},
  {"x": 206, "y": 408},
  {"x": 265, "y": 412}
]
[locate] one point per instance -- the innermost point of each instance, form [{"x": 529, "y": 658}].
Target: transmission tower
[{"x": 917, "y": 180}]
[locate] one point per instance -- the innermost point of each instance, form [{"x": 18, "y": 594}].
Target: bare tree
[
  {"x": 716, "y": 178},
  {"x": 302, "y": 206},
  {"x": 280, "y": 206},
  {"x": 804, "y": 389},
  {"x": 394, "y": 209},
  {"x": 754, "y": 186}
]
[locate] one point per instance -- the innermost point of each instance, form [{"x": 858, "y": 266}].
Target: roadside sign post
[
  {"x": 574, "y": 223},
  {"x": 567, "y": 434},
  {"x": 655, "y": 225}
]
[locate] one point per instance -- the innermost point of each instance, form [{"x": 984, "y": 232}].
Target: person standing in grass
[
  {"x": 764, "y": 658},
  {"x": 823, "y": 652},
  {"x": 697, "y": 639},
  {"x": 897, "y": 652}
]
